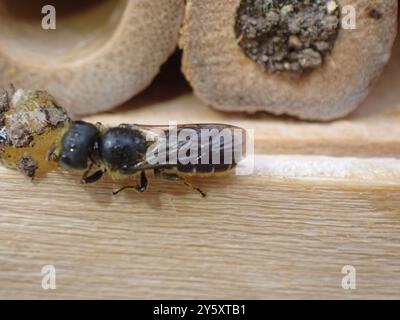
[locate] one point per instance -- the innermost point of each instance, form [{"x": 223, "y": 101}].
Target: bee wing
[{"x": 195, "y": 144}]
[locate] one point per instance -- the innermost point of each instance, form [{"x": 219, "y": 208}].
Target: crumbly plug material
[
  {"x": 30, "y": 123},
  {"x": 287, "y": 35}
]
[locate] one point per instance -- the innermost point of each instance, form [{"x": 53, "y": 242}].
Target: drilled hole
[{"x": 82, "y": 27}]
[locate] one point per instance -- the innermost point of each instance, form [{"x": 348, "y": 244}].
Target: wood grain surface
[
  {"x": 284, "y": 231},
  {"x": 259, "y": 236}
]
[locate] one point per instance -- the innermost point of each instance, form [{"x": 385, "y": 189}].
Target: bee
[
  {"x": 132, "y": 150},
  {"x": 124, "y": 152}
]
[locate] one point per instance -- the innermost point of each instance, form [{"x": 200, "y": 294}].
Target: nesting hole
[{"x": 82, "y": 27}]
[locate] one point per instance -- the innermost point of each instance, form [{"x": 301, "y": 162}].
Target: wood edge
[{"x": 283, "y": 169}]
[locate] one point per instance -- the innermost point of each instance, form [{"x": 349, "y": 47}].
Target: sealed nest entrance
[
  {"x": 287, "y": 35},
  {"x": 31, "y": 123}
]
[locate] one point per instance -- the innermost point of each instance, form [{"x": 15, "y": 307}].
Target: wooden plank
[{"x": 282, "y": 232}]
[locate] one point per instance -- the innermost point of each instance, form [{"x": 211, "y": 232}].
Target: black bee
[{"x": 130, "y": 150}]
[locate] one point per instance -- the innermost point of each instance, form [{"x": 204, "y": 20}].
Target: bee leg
[
  {"x": 167, "y": 176},
  {"x": 190, "y": 185},
  {"x": 86, "y": 179},
  {"x": 141, "y": 187},
  {"x": 174, "y": 177},
  {"x": 86, "y": 173}
]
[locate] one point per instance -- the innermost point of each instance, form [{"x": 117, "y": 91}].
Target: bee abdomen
[
  {"x": 204, "y": 169},
  {"x": 216, "y": 162},
  {"x": 218, "y": 156}
]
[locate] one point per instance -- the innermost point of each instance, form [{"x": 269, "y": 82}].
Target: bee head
[{"x": 77, "y": 145}]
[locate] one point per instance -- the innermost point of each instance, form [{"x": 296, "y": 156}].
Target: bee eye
[{"x": 77, "y": 145}]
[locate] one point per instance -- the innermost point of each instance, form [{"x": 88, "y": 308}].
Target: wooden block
[
  {"x": 284, "y": 231},
  {"x": 100, "y": 54}
]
